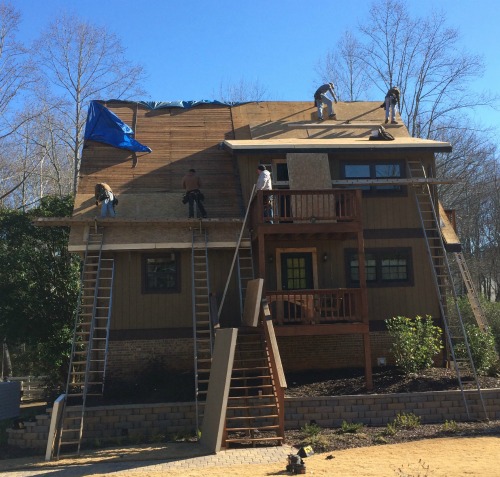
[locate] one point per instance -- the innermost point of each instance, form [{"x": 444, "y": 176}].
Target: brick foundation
[{"x": 128, "y": 359}]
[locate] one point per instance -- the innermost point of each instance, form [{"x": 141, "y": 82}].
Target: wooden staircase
[
  {"x": 255, "y": 408},
  {"x": 86, "y": 376}
]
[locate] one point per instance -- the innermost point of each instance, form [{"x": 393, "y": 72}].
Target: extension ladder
[
  {"x": 89, "y": 352},
  {"x": 454, "y": 327}
]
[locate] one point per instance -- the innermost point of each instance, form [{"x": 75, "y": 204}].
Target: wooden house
[{"x": 344, "y": 251}]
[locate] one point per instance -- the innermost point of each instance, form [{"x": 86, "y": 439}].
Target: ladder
[
  {"x": 202, "y": 323},
  {"x": 471, "y": 292},
  {"x": 245, "y": 269},
  {"x": 86, "y": 375},
  {"x": 253, "y": 408},
  {"x": 245, "y": 261},
  {"x": 453, "y": 323}
]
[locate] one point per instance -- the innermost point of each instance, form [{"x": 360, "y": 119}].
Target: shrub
[
  {"x": 415, "y": 342},
  {"x": 406, "y": 421},
  {"x": 450, "y": 426},
  {"x": 350, "y": 427},
  {"x": 481, "y": 346},
  {"x": 311, "y": 430}
]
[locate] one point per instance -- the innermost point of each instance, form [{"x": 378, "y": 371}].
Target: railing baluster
[{"x": 318, "y": 306}]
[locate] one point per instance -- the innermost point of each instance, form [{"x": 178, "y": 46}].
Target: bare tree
[
  {"x": 344, "y": 68},
  {"x": 241, "y": 91},
  {"x": 82, "y": 62},
  {"x": 422, "y": 57},
  {"x": 17, "y": 73}
]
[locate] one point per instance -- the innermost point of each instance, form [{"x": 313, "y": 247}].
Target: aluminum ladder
[
  {"x": 202, "y": 321},
  {"x": 472, "y": 295},
  {"x": 443, "y": 281},
  {"x": 86, "y": 375}
]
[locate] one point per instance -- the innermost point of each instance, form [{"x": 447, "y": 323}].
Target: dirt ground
[{"x": 442, "y": 457}]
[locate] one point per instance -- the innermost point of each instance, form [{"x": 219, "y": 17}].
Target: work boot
[
  {"x": 333, "y": 116},
  {"x": 386, "y": 121},
  {"x": 320, "y": 119},
  {"x": 394, "y": 122}
]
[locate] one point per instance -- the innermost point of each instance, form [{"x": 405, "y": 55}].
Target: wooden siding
[
  {"x": 133, "y": 309},
  {"x": 419, "y": 299}
]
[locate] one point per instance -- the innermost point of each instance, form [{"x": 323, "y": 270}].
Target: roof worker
[
  {"x": 192, "y": 184},
  {"x": 104, "y": 195},
  {"x": 391, "y": 100},
  {"x": 321, "y": 98},
  {"x": 264, "y": 183}
]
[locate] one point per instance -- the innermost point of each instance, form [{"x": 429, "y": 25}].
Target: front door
[{"x": 297, "y": 271}]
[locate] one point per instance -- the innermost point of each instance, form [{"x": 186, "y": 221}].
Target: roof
[
  {"x": 149, "y": 184},
  {"x": 336, "y": 144}
]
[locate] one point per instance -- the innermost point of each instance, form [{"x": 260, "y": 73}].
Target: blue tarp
[
  {"x": 182, "y": 104},
  {"x": 105, "y": 126}
]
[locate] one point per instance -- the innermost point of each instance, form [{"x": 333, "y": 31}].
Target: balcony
[
  {"x": 309, "y": 310},
  {"x": 306, "y": 207}
]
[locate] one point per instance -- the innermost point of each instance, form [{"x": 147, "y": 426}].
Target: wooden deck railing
[
  {"x": 339, "y": 305},
  {"x": 311, "y": 206}
]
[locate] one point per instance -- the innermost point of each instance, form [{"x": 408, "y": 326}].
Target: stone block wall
[{"x": 146, "y": 420}]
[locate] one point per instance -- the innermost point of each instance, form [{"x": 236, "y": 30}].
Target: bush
[
  {"x": 482, "y": 348},
  {"x": 406, "y": 421},
  {"x": 350, "y": 427},
  {"x": 415, "y": 342},
  {"x": 311, "y": 430}
]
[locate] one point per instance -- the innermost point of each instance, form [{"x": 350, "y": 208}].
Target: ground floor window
[
  {"x": 383, "y": 267},
  {"x": 161, "y": 273}
]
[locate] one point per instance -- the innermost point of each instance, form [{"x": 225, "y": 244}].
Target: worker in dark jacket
[
  {"x": 321, "y": 98},
  {"x": 391, "y": 100}
]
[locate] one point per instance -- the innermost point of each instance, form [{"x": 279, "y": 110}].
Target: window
[
  {"x": 384, "y": 267},
  {"x": 382, "y": 170},
  {"x": 161, "y": 273}
]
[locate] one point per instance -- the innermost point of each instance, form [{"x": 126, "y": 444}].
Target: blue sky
[{"x": 190, "y": 47}]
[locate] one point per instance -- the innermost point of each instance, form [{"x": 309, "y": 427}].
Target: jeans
[
  {"x": 390, "y": 105},
  {"x": 268, "y": 207},
  {"x": 194, "y": 196},
  {"x": 329, "y": 103},
  {"x": 107, "y": 206}
]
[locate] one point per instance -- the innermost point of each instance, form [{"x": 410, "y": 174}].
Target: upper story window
[
  {"x": 383, "y": 267},
  {"x": 161, "y": 273},
  {"x": 376, "y": 170}
]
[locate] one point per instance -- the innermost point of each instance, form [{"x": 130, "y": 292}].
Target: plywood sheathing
[
  {"x": 157, "y": 235},
  {"x": 309, "y": 171},
  {"x": 275, "y": 120}
]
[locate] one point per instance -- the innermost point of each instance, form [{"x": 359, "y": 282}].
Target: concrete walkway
[{"x": 144, "y": 460}]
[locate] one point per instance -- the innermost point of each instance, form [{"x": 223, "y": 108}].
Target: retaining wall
[{"x": 115, "y": 423}]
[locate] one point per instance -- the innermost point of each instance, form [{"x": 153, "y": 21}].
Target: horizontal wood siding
[
  {"x": 133, "y": 309},
  {"x": 419, "y": 299}
]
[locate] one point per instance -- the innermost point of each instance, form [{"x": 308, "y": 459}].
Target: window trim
[
  {"x": 379, "y": 252},
  {"x": 144, "y": 259},
  {"x": 373, "y": 190}
]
